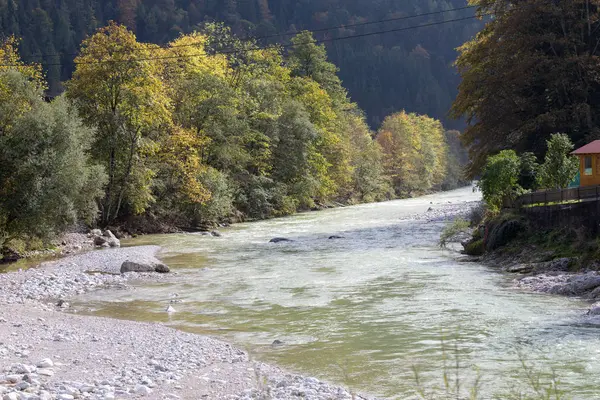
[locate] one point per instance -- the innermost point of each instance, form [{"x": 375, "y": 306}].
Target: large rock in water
[
  {"x": 279, "y": 240},
  {"x": 133, "y": 266}
]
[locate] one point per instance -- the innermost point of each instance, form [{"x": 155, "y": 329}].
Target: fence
[{"x": 555, "y": 196}]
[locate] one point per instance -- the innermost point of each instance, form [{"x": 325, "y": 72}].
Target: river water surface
[{"x": 365, "y": 310}]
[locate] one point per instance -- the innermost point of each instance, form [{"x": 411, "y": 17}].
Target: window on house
[{"x": 588, "y": 165}]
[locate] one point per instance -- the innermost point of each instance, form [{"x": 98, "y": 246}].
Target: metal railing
[{"x": 555, "y": 196}]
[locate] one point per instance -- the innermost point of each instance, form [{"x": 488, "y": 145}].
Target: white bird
[{"x": 170, "y": 309}]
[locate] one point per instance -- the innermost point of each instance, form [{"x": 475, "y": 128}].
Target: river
[{"x": 366, "y": 310}]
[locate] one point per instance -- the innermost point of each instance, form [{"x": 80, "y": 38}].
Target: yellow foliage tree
[{"x": 118, "y": 89}]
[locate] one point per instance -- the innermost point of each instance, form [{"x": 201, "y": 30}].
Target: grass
[
  {"x": 552, "y": 203},
  {"x": 532, "y": 384},
  {"x": 454, "y": 231}
]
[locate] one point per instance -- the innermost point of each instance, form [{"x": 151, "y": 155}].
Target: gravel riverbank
[{"x": 47, "y": 353}]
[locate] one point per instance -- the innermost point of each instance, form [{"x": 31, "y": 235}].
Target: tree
[
  {"x": 531, "y": 72},
  {"x": 559, "y": 167},
  {"x": 499, "y": 179},
  {"x": 47, "y": 181},
  {"x": 528, "y": 177},
  {"x": 415, "y": 152},
  {"x": 307, "y": 59},
  {"x": 119, "y": 92}
]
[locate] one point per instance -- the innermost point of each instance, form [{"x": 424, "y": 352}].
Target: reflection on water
[{"x": 362, "y": 310}]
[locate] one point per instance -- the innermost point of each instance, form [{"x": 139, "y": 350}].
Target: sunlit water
[{"x": 364, "y": 311}]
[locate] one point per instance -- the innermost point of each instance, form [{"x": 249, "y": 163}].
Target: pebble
[{"x": 45, "y": 363}]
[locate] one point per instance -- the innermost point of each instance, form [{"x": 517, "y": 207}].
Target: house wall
[{"x": 594, "y": 178}]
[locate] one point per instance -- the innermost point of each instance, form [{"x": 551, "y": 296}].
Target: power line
[
  {"x": 321, "y": 41},
  {"x": 284, "y": 34},
  {"x": 369, "y": 23}
]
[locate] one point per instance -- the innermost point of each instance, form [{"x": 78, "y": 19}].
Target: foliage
[
  {"x": 46, "y": 180},
  {"x": 528, "y": 176},
  {"x": 559, "y": 166},
  {"x": 125, "y": 100},
  {"x": 499, "y": 178},
  {"x": 530, "y": 73},
  {"x": 190, "y": 135},
  {"x": 454, "y": 231},
  {"x": 410, "y": 69},
  {"x": 415, "y": 152}
]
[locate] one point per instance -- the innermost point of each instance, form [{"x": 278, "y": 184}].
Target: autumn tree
[
  {"x": 118, "y": 90},
  {"x": 415, "y": 152},
  {"x": 531, "y": 72}
]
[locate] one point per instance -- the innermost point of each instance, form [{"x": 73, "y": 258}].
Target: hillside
[{"x": 409, "y": 70}]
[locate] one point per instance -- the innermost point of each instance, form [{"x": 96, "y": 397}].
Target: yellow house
[{"x": 589, "y": 163}]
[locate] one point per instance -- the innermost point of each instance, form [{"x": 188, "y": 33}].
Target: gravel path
[{"x": 46, "y": 353}]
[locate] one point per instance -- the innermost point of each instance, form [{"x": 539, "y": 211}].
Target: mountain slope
[{"x": 409, "y": 69}]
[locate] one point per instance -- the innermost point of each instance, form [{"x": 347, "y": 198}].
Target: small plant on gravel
[
  {"x": 533, "y": 385},
  {"x": 458, "y": 229}
]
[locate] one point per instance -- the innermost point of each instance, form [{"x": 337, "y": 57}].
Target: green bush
[
  {"x": 559, "y": 167},
  {"x": 46, "y": 179},
  {"x": 454, "y": 231},
  {"x": 499, "y": 179}
]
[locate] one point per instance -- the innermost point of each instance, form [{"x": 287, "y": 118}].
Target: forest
[
  {"x": 409, "y": 70},
  {"x": 153, "y": 138}
]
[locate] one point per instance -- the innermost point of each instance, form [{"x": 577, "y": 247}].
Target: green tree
[
  {"x": 307, "y": 59},
  {"x": 559, "y": 167},
  {"x": 47, "y": 181},
  {"x": 499, "y": 179},
  {"x": 123, "y": 97},
  {"x": 528, "y": 177},
  {"x": 531, "y": 72}
]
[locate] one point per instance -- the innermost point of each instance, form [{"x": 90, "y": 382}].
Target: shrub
[
  {"x": 559, "y": 168},
  {"x": 500, "y": 177},
  {"x": 454, "y": 231},
  {"x": 46, "y": 180}
]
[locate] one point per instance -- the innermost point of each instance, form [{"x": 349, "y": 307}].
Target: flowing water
[{"x": 365, "y": 310}]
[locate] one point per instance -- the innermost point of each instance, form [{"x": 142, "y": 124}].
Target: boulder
[
  {"x": 95, "y": 232},
  {"x": 134, "y": 266},
  {"x": 594, "y": 309},
  {"x": 332, "y": 237},
  {"x": 111, "y": 239},
  {"x": 161, "y": 269},
  {"x": 100, "y": 240},
  {"x": 279, "y": 240},
  {"x": 502, "y": 233},
  {"x": 578, "y": 285},
  {"x": 520, "y": 269},
  {"x": 215, "y": 233}
]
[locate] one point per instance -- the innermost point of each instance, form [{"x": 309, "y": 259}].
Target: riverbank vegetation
[
  {"x": 205, "y": 130},
  {"x": 530, "y": 73}
]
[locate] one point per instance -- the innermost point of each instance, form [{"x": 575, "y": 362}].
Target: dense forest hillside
[{"x": 409, "y": 70}]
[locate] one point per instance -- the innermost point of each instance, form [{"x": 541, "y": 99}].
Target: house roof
[{"x": 590, "y": 148}]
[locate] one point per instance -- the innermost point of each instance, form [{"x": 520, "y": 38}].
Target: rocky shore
[
  {"x": 555, "y": 276},
  {"x": 47, "y": 353}
]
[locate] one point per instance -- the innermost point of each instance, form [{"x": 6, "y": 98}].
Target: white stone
[
  {"x": 170, "y": 309},
  {"x": 143, "y": 390},
  {"x": 45, "y": 372},
  {"x": 21, "y": 368},
  {"x": 11, "y": 396},
  {"x": 65, "y": 396},
  {"x": 45, "y": 363}
]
